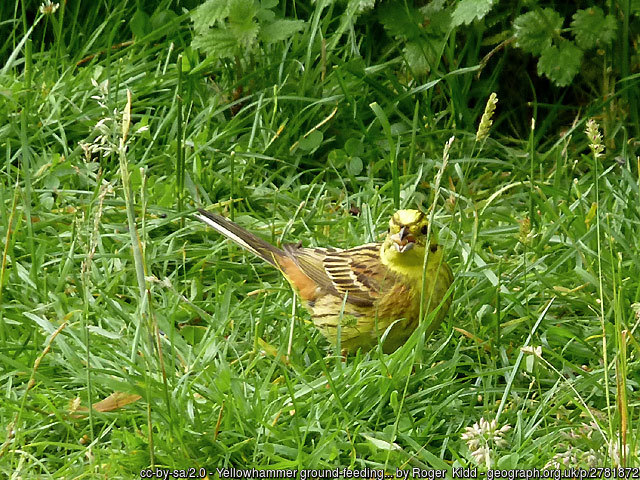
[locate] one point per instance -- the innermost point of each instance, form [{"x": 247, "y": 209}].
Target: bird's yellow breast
[{"x": 398, "y": 304}]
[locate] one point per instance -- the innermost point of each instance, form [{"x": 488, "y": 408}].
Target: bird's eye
[{"x": 424, "y": 229}]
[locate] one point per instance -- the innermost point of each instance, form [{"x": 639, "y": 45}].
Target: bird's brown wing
[{"x": 356, "y": 272}]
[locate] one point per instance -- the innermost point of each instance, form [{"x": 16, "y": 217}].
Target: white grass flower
[
  {"x": 564, "y": 459},
  {"x": 483, "y": 437},
  {"x": 482, "y": 456},
  {"x": 591, "y": 458},
  {"x": 48, "y": 7},
  {"x": 574, "y": 453}
]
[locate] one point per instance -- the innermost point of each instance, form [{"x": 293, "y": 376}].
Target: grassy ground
[{"x": 195, "y": 354}]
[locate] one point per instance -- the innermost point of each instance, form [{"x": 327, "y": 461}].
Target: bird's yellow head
[{"x": 406, "y": 241}]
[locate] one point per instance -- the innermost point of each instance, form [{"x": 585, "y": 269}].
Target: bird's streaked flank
[{"x": 359, "y": 292}]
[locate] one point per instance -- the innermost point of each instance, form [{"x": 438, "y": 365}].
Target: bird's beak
[{"x": 403, "y": 241}]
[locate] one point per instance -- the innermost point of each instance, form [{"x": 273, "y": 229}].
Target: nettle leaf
[
  {"x": 209, "y": 13},
  {"x": 400, "y": 20},
  {"x": 242, "y": 22},
  {"x": 592, "y": 28},
  {"x": 280, "y": 30},
  {"x": 534, "y": 30},
  {"x": 469, "y": 10},
  {"x": 265, "y": 15},
  {"x": 227, "y": 28},
  {"x": 560, "y": 63},
  {"x": 220, "y": 43}
]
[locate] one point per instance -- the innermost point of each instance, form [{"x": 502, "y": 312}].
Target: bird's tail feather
[{"x": 242, "y": 237}]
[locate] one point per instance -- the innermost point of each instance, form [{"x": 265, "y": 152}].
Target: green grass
[{"x": 107, "y": 285}]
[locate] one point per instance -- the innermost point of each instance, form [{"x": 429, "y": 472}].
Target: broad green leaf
[
  {"x": 592, "y": 28},
  {"x": 535, "y": 30},
  {"x": 163, "y": 20},
  {"x": 242, "y": 23},
  {"x": 218, "y": 42},
  {"x": 355, "y": 166},
  {"x": 440, "y": 18},
  {"x": 311, "y": 141},
  {"x": 469, "y": 10},
  {"x": 509, "y": 461},
  {"x": 400, "y": 20},
  {"x": 140, "y": 24},
  {"x": 354, "y": 147},
  {"x": 46, "y": 200},
  {"x": 223, "y": 28},
  {"x": 561, "y": 63},
  {"x": 265, "y": 16},
  {"x": 280, "y": 30},
  {"x": 415, "y": 54},
  {"x": 208, "y": 14},
  {"x": 337, "y": 157}
]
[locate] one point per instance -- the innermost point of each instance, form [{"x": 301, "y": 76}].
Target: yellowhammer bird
[{"x": 358, "y": 292}]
